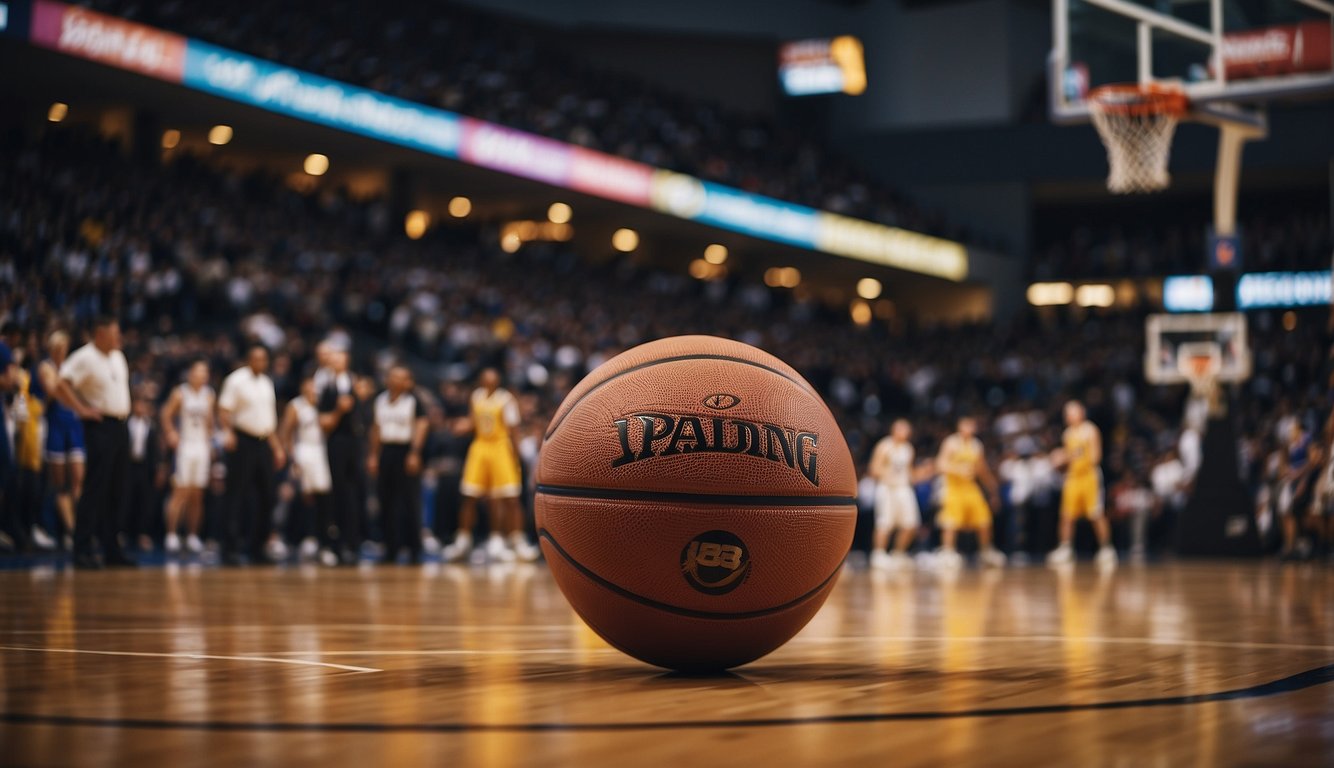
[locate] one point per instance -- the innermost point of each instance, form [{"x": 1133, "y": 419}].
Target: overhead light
[
  {"x": 559, "y": 213},
  {"x": 460, "y": 207},
  {"x": 782, "y": 277},
  {"x": 715, "y": 254},
  {"x": 861, "y": 312},
  {"x": 219, "y": 135},
  {"x": 510, "y": 242},
  {"x": 869, "y": 288},
  {"x": 416, "y": 223},
  {"x": 316, "y": 164},
  {"x": 1095, "y": 295},
  {"x": 170, "y": 138},
  {"x": 1049, "y": 294},
  {"x": 625, "y": 240},
  {"x": 57, "y": 112},
  {"x": 701, "y": 269}
]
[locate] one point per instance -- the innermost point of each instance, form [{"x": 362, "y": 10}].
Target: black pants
[
  {"x": 101, "y": 511},
  {"x": 144, "y": 503},
  {"x": 345, "y": 469},
  {"x": 400, "y": 502},
  {"x": 250, "y": 495}
]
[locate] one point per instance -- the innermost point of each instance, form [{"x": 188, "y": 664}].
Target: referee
[
  {"x": 337, "y": 406},
  {"x": 248, "y": 413},
  {"x": 95, "y": 384},
  {"x": 398, "y": 431}
]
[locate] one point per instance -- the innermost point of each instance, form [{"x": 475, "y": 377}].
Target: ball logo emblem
[
  {"x": 715, "y": 562},
  {"x": 721, "y": 401}
]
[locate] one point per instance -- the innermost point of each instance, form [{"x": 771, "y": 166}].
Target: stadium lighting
[
  {"x": 316, "y": 164},
  {"x": 625, "y": 240},
  {"x": 715, "y": 254},
  {"x": 171, "y": 138},
  {"x": 1095, "y": 295},
  {"x": 1050, "y": 294},
  {"x": 57, "y": 112},
  {"x": 510, "y": 242},
  {"x": 559, "y": 213},
  {"x": 861, "y": 312},
  {"x": 219, "y": 135},
  {"x": 460, "y": 207},
  {"x": 416, "y": 223},
  {"x": 701, "y": 269},
  {"x": 869, "y": 288},
  {"x": 782, "y": 277}
]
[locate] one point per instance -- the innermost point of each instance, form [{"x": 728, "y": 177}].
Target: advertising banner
[
  {"x": 107, "y": 39},
  {"x": 1284, "y": 49}
]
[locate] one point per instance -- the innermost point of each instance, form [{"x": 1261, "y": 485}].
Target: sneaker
[
  {"x": 193, "y": 544},
  {"x": 881, "y": 561},
  {"x": 328, "y": 558},
  {"x": 430, "y": 544},
  {"x": 949, "y": 559},
  {"x": 42, "y": 539},
  {"x": 525, "y": 552},
  {"x": 1107, "y": 557},
  {"x": 458, "y": 550},
  {"x": 172, "y": 543},
  {"x": 309, "y": 548},
  {"x": 992, "y": 558},
  {"x": 276, "y": 550},
  {"x": 497, "y": 550},
  {"x": 901, "y": 561},
  {"x": 1062, "y": 555}
]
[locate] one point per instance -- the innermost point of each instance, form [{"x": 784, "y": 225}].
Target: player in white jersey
[
  {"x": 187, "y": 424},
  {"x": 305, "y": 441},
  {"x": 895, "y": 500}
]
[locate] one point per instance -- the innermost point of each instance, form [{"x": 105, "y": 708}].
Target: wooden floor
[{"x": 1193, "y": 664}]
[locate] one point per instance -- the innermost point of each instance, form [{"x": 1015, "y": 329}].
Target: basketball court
[{"x": 1201, "y": 663}]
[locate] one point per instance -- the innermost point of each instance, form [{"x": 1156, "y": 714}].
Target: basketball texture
[{"x": 695, "y": 500}]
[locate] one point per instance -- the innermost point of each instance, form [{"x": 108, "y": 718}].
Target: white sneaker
[
  {"x": 949, "y": 559},
  {"x": 276, "y": 550},
  {"x": 901, "y": 561},
  {"x": 458, "y": 550},
  {"x": 430, "y": 544},
  {"x": 1107, "y": 557},
  {"x": 992, "y": 558},
  {"x": 193, "y": 544},
  {"x": 309, "y": 548},
  {"x": 497, "y": 550},
  {"x": 328, "y": 558},
  {"x": 523, "y": 551},
  {"x": 42, "y": 539},
  {"x": 172, "y": 544},
  {"x": 881, "y": 561},
  {"x": 1062, "y": 555}
]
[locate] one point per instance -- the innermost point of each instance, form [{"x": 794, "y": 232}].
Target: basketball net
[
  {"x": 1136, "y": 124},
  {"x": 1202, "y": 372}
]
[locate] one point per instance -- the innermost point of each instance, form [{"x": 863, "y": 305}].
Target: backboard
[
  {"x": 1171, "y": 341},
  {"x": 1219, "y": 52}
]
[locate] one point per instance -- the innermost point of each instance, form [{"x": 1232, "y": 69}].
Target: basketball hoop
[
  {"x": 1200, "y": 363},
  {"x": 1136, "y": 124}
]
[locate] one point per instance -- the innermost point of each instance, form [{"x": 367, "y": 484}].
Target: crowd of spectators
[
  {"x": 505, "y": 71},
  {"x": 198, "y": 260}
]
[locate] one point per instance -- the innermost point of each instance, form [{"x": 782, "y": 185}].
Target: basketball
[{"x": 695, "y": 499}]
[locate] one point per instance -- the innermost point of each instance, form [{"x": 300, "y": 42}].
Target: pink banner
[
  {"x": 1284, "y": 49},
  {"x": 109, "y": 40},
  {"x": 616, "y": 178},
  {"x": 515, "y": 152}
]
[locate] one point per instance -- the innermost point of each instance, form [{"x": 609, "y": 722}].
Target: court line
[
  {"x": 288, "y": 628},
  {"x": 1167, "y": 641},
  {"x": 1300, "y": 681},
  {"x": 194, "y": 656}
]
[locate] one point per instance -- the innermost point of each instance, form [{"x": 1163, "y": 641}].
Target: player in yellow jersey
[
  {"x": 1082, "y": 495},
  {"x": 491, "y": 471},
  {"x": 963, "y": 507}
]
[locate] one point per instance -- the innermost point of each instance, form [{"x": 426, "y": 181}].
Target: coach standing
[
  {"x": 398, "y": 432},
  {"x": 248, "y": 413},
  {"x": 95, "y": 384}
]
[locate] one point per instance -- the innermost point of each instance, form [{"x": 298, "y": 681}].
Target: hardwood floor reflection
[{"x": 1200, "y": 663}]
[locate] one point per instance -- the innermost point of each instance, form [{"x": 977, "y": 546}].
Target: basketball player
[
  {"x": 1082, "y": 494},
  {"x": 192, "y": 404},
  {"x": 304, "y": 438},
  {"x": 491, "y": 470},
  {"x": 963, "y": 507},
  {"x": 64, "y": 434},
  {"x": 896, "y": 511},
  {"x": 1295, "y": 485}
]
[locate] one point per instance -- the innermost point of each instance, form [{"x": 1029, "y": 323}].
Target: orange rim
[{"x": 1138, "y": 100}]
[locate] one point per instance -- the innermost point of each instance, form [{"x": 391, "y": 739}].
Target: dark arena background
[{"x": 291, "y": 292}]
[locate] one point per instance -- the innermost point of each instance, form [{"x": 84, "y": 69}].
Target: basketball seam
[
  {"x": 739, "y": 500},
  {"x": 543, "y": 533},
  {"x": 679, "y": 358}
]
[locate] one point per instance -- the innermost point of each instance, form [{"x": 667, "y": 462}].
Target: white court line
[
  {"x": 194, "y": 656},
  {"x": 300, "y": 628},
  {"x": 1071, "y": 639}
]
